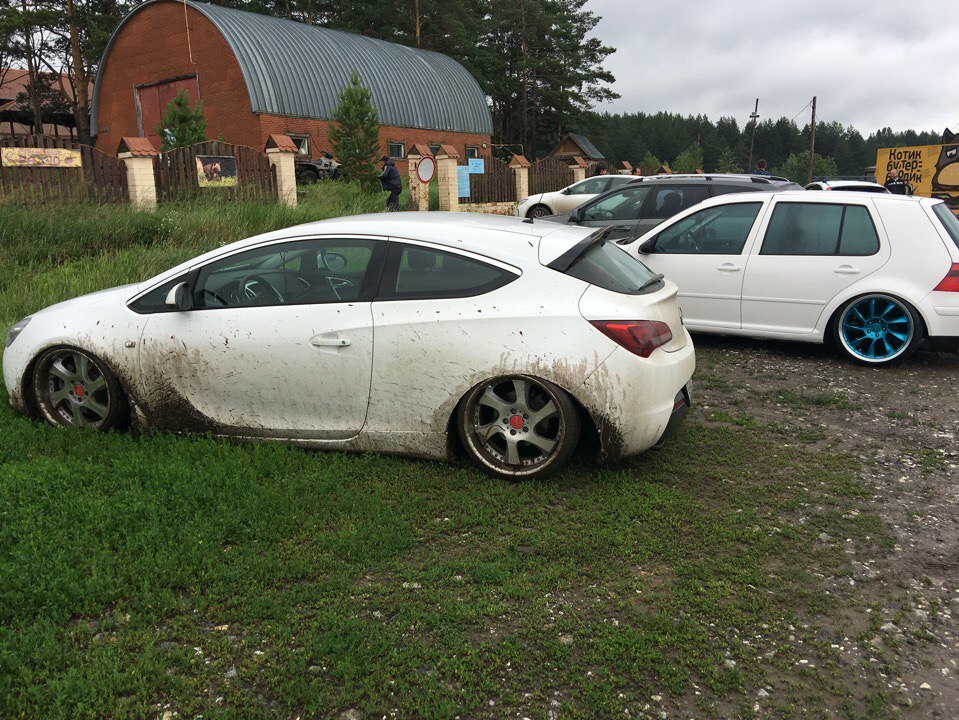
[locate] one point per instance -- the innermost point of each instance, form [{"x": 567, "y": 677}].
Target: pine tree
[
  {"x": 689, "y": 160},
  {"x": 182, "y": 125},
  {"x": 355, "y": 133},
  {"x": 796, "y": 167},
  {"x": 650, "y": 163},
  {"x": 727, "y": 162}
]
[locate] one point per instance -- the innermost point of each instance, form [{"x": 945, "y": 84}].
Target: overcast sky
[{"x": 871, "y": 63}]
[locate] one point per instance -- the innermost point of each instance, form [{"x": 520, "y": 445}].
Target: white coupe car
[
  {"x": 876, "y": 274},
  {"x": 569, "y": 198},
  {"x": 848, "y": 186},
  {"x": 402, "y": 333}
]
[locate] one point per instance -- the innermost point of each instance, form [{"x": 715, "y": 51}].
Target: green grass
[{"x": 145, "y": 573}]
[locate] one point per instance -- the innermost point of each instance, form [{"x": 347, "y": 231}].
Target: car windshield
[
  {"x": 611, "y": 268},
  {"x": 948, "y": 220}
]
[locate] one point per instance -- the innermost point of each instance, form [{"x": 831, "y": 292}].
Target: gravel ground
[{"x": 902, "y": 594}]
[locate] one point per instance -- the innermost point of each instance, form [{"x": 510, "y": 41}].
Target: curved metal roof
[{"x": 291, "y": 68}]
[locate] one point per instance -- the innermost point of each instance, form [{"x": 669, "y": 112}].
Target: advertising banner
[
  {"x": 932, "y": 170},
  {"x": 40, "y": 157}
]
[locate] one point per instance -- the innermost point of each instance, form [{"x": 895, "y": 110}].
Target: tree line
[{"x": 687, "y": 142}]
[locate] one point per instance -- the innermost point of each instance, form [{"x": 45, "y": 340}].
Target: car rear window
[
  {"x": 949, "y": 221},
  {"x": 607, "y": 266}
]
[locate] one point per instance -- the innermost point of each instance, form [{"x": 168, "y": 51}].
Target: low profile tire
[
  {"x": 74, "y": 388},
  {"x": 878, "y": 329},
  {"x": 518, "y": 427},
  {"x": 538, "y": 211}
]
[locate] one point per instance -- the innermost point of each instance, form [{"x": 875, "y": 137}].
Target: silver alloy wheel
[
  {"x": 77, "y": 391},
  {"x": 539, "y": 211},
  {"x": 516, "y": 422}
]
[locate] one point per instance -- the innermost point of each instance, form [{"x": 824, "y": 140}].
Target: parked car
[
  {"x": 309, "y": 171},
  {"x": 645, "y": 202},
  {"x": 876, "y": 274},
  {"x": 847, "y": 186},
  {"x": 552, "y": 203},
  {"x": 513, "y": 340}
]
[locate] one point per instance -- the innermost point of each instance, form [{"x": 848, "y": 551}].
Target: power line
[{"x": 801, "y": 111}]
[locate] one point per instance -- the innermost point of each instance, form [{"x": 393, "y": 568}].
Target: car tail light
[
  {"x": 640, "y": 337},
  {"x": 950, "y": 283}
]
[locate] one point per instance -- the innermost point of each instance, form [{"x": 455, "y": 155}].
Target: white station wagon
[
  {"x": 402, "y": 333},
  {"x": 876, "y": 274}
]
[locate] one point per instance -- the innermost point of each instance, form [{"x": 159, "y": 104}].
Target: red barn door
[{"x": 153, "y": 98}]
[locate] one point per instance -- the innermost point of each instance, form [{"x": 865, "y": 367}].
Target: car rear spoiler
[{"x": 563, "y": 262}]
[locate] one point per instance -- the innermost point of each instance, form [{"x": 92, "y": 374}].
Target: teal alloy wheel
[{"x": 878, "y": 329}]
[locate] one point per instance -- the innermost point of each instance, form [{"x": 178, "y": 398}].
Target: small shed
[{"x": 576, "y": 145}]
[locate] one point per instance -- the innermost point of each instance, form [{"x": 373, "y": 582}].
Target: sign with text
[
  {"x": 40, "y": 157},
  {"x": 463, "y": 181},
  {"x": 932, "y": 170},
  {"x": 477, "y": 166},
  {"x": 216, "y": 170}
]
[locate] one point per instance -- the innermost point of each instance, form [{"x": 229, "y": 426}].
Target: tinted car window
[
  {"x": 607, "y": 266},
  {"x": 625, "y": 204},
  {"x": 593, "y": 186},
  {"x": 948, "y": 220},
  {"x": 415, "y": 272},
  {"x": 671, "y": 199},
  {"x": 819, "y": 229},
  {"x": 292, "y": 273},
  {"x": 858, "y": 236},
  {"x": 726, "y": 189},
  {"x": 718, "y": 230},
  {"x": 155, "y": 300}
]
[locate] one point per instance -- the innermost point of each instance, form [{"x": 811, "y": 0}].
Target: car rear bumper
[
  {"x": 633, "y": 401},
  {"x": 681, "y": 404}
]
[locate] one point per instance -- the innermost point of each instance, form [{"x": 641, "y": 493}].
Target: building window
[
  {"x": 472, "y": 152},
  {"x": 435, "y": 148},
  {"x": 396, "y": 150},
  {"x": 302, "y": 143}
]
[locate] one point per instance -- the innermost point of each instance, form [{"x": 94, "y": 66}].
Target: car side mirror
[
  {"x": 648, "y": 247},
  {"x": 334, "y": 261},
  {"x": 575, "y": 216},
  {"x": 179, "y": 297},
  {"x": 567, "y": 192}
]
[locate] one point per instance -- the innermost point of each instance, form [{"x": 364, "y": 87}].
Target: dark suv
[{"x": 647, "y": 201}]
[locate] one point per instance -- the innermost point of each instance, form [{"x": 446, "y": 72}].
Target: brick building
[{"x": 257, "y": 75}]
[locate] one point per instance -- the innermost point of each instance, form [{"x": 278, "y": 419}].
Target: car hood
[{"x": 111, "y": 296}]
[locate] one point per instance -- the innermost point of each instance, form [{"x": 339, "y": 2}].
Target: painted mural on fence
[
  {"x": 40, "y": 157},
  {"x": 216, "y": 170},
  {"x": 932, "y": 170}
]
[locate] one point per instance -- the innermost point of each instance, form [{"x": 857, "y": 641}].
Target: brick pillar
[
  {"x": 520, "y": 167},
  {"x": 281, "y": 151},
  {"x": 419, "y": 192},
  {"x": 137, "y": 154},
  {"x": 446, "y": 178},
  {"x": 579, "y": 167}
]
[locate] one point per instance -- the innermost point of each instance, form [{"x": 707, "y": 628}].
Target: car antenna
[{"x": 529, "y": 220}]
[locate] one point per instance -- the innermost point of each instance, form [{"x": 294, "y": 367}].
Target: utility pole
[
  {"x": 755, "y": 118},
  {"x": 812, "y": 141}
]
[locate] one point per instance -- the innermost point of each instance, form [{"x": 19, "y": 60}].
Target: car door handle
[
  {"x": 622, "y": 228},
  {"x": 847, "y": 270},
  {"x": 328, "y": 341},
  {"x": 729, "y": 267}
]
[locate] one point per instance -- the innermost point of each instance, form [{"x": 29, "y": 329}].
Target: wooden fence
[
  {"x": 179, "y": 174},
  {"x": 496, "y": 184},
  {"x": 549, "y": 174},
  {"x": 100, "y": 177}
]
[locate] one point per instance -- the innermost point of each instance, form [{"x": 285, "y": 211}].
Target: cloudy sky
[{"x": 871, "y": 63}]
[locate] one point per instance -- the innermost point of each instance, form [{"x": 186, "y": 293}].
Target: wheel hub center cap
[
  {"x": 875, "y": 328},
  {"x": 78, "y": 390},
  {"x": 516, "y": 422}
]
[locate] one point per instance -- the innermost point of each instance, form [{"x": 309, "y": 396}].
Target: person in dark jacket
[
  {"x": 761, "y": 169},
  {"x": 896, "y": 185},
  {"x": 390, "y": 182}
]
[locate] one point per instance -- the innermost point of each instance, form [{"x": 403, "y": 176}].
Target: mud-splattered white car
[{"x": 412, "y": 333}]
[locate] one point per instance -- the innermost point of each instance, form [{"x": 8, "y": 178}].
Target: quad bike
[{"x": 322, "y": 168}]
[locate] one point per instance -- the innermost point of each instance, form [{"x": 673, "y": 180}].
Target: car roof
[
  {"x": 713, "y": 177},
  {"x": 848, "y": 183},
  {"x": 504, "y": 238},
  {"x": 834, "y": 196}
]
